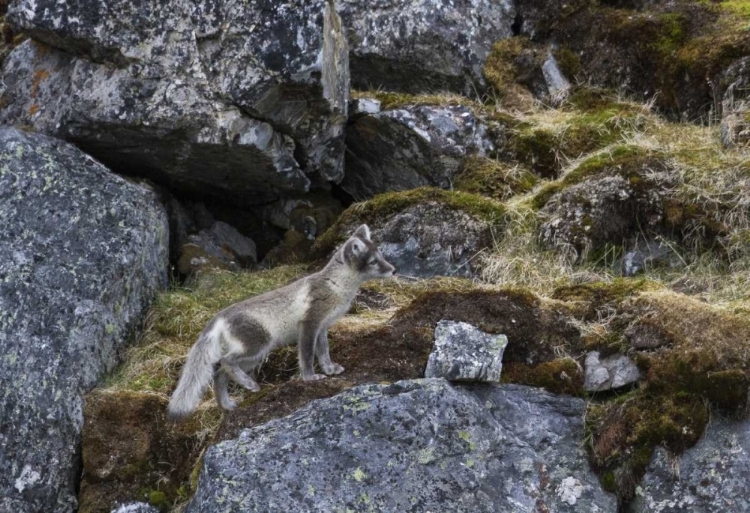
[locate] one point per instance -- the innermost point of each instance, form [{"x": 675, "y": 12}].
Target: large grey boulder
[
  {"x": 411, "y": 446},
  {"x": 423, "y": 45},
  {"x": 162, "y": 89},
  {"x": 712, "y": 476},
  {"x": 431, "y": 239},
  {"x": 82, "y": 253},
  {"x": 409, "y": 147},
  {"x": 465, "y": 353}
]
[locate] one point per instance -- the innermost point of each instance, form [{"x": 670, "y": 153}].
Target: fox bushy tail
[{"x": 196, "y": 374}]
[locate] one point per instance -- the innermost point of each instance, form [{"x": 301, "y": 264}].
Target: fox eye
[{"x": 371, "y": 261}]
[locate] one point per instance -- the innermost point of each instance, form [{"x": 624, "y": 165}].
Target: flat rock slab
[
  {"x": 82, "y": 254},
  {"x": 712, "y": 476},
  {"x": 421, "y": 445},
  {"x": 465, "y": 353},
  {"x": 609, "y": 373}
]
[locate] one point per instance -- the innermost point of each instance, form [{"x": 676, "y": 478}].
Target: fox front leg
[
  {"x": 324, "y": 358},
  {"x": 306, "y": 351}
]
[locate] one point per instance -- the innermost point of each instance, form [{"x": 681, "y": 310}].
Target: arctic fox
[{"x": 239, "y": 337}]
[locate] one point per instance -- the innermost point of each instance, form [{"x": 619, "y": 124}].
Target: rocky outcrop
[
  {"x": 602, "y": 209},
  {"x": 424, "y": 232},
  {"x": 465, "y": 353},
  {"x": 220, "y": 246},
  {"x": 409, "y": 147},
  {"x": 83, "y": 252},
  {"x": 423, "y": 46},
  {"x": 609, "y": 373},
  {"x": 265, "y": 88},
  {"x": 672, "y": 52},
  {"x": 413, "y": 445},
  {"x": 712, "y": 476}
]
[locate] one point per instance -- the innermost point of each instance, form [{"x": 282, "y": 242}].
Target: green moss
[
  {"x": 738, "y": 7},
  {"x": 569, "y": 61},
  {"x": 543, "y": 148},
  {"x": 608, "y": 482},
  {"x": 560, "y": 376},
  {"x": 627, "y": 161},
  {"x": 536, "y": 147},
  {"x": 500, "y": 68},
  {"x": 493, "y": 178},
  {"x": 385, "y": 205},
  {"x": 626, "y": 431},
  {"x": 158, "y": 499}
]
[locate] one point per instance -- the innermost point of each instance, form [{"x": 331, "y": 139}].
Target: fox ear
[
  {"x": 363, "y": 232},
  {"x": 356, "y": 247}
]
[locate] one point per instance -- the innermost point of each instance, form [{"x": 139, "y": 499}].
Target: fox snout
[{"x": 387, "y": 269}]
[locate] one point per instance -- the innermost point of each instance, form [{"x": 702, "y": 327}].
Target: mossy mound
[
  {"x": 494, "y": 178},
  {"x": 547, "y": 142},
  {"x": 131, "y": 452},
  {"x": 674, "y": 52},
  {"x": 692, "y": 356},
  {"x": 383, "y": 206}
]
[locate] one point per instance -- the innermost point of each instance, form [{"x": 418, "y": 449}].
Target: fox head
[{"x": 364, "y": 257}]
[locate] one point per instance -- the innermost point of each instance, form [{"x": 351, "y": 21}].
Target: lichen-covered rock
[
  {"x": 465, "y": 353},
  {"x": 432, "y": 240},
  {"x": 648, "y": 254},
  {"x": 609, "y": 373},
  {"x": 599, "y": 210},
  {"x": 166, "y": 130},
  {"x": 557, "y": 85},
  {"x": 424, "y": 232},
  {"x": 423, "y": 46},
  {"x": 264, "y": 86},
  {"x": 410, "y": 446},
  {"x": 82, "y": 254},
  {"x": 135, "y": 507},
  {"x": 220, "y": 246},
  {"x": 712, "y": 476},
  {"x": 410, "y": 147}
]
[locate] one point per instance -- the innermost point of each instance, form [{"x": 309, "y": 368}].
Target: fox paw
[
  {"x": 313, "y": 377},
  {"x": 332, "y": 369},
  {"x": 229, "y": 405}
]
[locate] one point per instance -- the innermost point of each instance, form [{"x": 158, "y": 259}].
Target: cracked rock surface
[
  {"x": 420, "y": 445},
  {"x": 163, "y": 89}
]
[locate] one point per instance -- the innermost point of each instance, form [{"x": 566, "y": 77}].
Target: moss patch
[
  {"x": 131, "y": 452},
  {"x": 545, "y": 145},
  {"x": 624, "y": 160},
  {"x": 560, "y": 376},
  {"x": 493, "y": 178}
]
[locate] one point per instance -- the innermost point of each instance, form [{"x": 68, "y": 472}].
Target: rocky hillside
[{"x": 563, "y": 186}]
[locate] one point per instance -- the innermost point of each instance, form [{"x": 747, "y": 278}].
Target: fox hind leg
[{"x": 221, "y": 390}]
